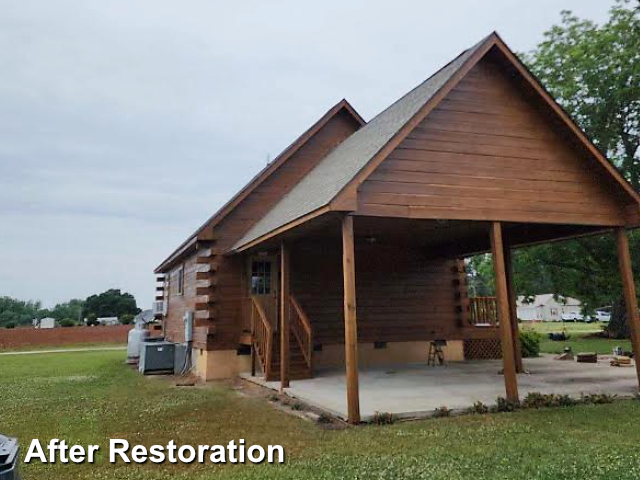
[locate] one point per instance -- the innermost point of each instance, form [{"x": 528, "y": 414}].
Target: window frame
[
  {"x": 264, "y": 275},
  {"x": 180, "y": 282}
]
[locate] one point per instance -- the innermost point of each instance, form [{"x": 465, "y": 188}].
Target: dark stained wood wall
[
  {"x": 488, "y": 153},
  {"x": 180, "y": 303},
  {"x": 400, "y": 294},
  {"x": 229, "y": 277}
]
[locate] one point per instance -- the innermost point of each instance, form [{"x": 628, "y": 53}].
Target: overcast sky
[{"x": 125, "y": 124}]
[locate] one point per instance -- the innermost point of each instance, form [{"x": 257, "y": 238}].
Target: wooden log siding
[
  {"x": 180, "y": 303},
  {"x": 487, "y": 153},
  {"x": 230, "y": 313},
  {"x": 401, "y": 296}
]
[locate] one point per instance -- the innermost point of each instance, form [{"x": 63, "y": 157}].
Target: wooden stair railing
[
  {"x": 302, "y": 331},
  {"x": 262, "y": 334},
  {"x": 483, "y": 311}
]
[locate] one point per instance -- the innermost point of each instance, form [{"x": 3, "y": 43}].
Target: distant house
[
  {"x": 46, "y": 322},
  {"x": 108, "y": 321},
  {"x": 547, "y": 307}
]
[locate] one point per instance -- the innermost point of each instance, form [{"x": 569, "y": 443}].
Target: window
[
  {"x": 260, "y": 278},
  {"x": 554, "y": 311},
  {"x": 180, "y": 281}
]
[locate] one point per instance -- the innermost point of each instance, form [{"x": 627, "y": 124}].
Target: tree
[
  {"x": 481, "y": 276},
  {"x": 70, "y": 310},
  {"x": 112, "y": 303},
  {"x": 19, "y": 312},
  {"x": 92, "y": 320},
  {"x": 593, "y": 71}
]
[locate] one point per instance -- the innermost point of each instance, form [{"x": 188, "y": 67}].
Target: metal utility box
[
  {"x": 156, "y": 357},
  {"x": 181, "y": 358}
]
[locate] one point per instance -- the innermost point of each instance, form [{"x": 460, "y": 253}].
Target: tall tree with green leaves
[
  {"x": 19, "y": 312},
  {"x": 593, "y": 71},
  {"x": 112, "y": 303}
]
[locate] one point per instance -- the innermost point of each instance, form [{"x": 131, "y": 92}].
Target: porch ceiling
[{"x": 444, "y": 238}]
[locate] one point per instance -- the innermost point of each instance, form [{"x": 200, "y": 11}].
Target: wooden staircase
[
  {"x": 266, "y": 343},
  {"x": 298, "y": 368}
]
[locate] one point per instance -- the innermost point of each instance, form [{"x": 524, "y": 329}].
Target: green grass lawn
[
  {"x": 570, "y": 327},
  {"x": 89, "y": 397},
  {"x": 581, "y": 337},
  {"x": 34, "y": 348}
]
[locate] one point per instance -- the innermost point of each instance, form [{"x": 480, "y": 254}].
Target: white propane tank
[{"x": 136, "y": 336}]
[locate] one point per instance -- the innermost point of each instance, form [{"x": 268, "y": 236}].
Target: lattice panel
[{"x": 482, "y": 349}]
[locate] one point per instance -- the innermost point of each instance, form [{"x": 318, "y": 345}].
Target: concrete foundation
[
  {"x": 391, "y": 353},
  {"x": 220, "y": 364}
]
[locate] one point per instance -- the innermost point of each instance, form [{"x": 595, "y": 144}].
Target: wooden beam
[
  {"x": 502, "y": 300},
  {"x": 629, "y": 291},
  {"x": 285, "y": 272},
  {"x": 253, "y": 359},
  {"x": 282, "y": 229},
  {"x": 350, "y": 322},
  {"x": 513, "y": 308}
]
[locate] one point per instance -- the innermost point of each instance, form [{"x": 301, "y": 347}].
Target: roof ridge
[
  {"x": 264, "y": 173},
  {"x": 352, "y": 155}
]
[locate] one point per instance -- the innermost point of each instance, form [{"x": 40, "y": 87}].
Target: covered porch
[{"x": 345, "y": 281}]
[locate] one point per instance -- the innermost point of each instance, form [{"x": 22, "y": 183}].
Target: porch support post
[
  {"x": 513, "y": 308},
  {"x": 629, "y": 291},
  {"x": 350, "y": 323},
  {"x": 504, "y": 317},
  {"x": 285, "y": 266}
]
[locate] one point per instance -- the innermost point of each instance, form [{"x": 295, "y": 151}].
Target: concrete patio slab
[{"x": 416, "y": 390}]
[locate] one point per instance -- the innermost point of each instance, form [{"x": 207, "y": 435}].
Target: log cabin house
[{"x": 346, "y": 249}]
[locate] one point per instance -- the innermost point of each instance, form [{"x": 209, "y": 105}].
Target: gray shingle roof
[{"x": 343, "y": 163}]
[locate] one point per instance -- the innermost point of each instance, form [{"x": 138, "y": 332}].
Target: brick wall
[{"x": 18, "y": 337}]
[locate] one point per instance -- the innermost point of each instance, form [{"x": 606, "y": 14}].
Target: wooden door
[{"x": 263, "y": 285}]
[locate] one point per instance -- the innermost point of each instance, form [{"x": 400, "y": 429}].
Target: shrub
[
  {"x": 296, "y": 406},
  {"x": 442, "y": 412},
  {"x": 11, "y": 325},
  {"x": 478, "y": 408},
  {"x": 598, "y": 398},
  {"x": 67, "y": 322},
  {"x": 126, "y": 319},
  {"x": 504, "y": 405},
  {"x": 383, "y": 418},
  {"x": 564, "y": 401},
  {"x": 274, "y": 398},
  {"x": 530, "y": 344},
  {"x": 540, "y": 400},
  {"x": 324, "y": 418},
  {"x": 92, "y": 319},
  {"x": 535, "y": 400}
]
